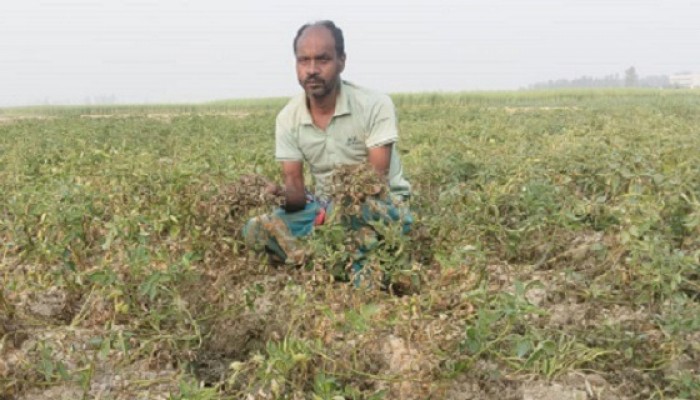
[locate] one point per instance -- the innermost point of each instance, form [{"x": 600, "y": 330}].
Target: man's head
[{"x": 319, "y": 49}]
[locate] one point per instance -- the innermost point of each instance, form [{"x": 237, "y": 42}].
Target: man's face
[{"x": 318, "y": 65}]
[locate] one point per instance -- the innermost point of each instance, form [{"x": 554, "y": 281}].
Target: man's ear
[{"x": 341, "y": 61}]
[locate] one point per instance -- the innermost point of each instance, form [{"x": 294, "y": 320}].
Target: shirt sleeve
[
  {"x": 383, "y": 128},
  {"x": 286, "y": 142}
]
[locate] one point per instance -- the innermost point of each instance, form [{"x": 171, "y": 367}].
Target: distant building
[{"x": 685, "y": 80}]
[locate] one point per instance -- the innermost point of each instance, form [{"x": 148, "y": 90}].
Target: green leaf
[
  {"x": 104, "y": 350},
  {"x": 522, "y": 348}
]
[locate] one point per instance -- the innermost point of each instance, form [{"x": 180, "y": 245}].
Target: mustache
[{"x": 313, "y": 79}]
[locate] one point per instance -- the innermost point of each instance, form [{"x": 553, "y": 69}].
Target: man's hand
[{"x": 273, "y": 189}]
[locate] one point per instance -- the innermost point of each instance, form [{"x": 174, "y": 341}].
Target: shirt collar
[{"x": 342, "y": 105}]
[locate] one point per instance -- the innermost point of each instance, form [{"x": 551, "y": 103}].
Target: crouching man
[{"x": 332, "y": 123}]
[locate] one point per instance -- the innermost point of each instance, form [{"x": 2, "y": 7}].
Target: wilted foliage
[
  {"x": 250, "y": 193},
  {"x": 554, "y": 252},
  {"x": 352, "y": 185}
]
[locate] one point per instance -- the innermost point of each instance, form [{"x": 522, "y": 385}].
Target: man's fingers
[{"x": 272, "y": 189}]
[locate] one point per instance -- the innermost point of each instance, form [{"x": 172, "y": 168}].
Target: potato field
[{"x": 555, "y": 255}]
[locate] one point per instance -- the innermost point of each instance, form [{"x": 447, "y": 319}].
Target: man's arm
[
  {"x": 380, "y": 158},
  {"x": 294, "y": 195},
  {"x": 383, "y": 133}
]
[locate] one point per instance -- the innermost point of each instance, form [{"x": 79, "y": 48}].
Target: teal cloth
[{"x": 301, "y": 223}]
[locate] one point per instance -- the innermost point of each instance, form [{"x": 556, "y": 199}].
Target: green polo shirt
[{"x": 363, "y": 119}]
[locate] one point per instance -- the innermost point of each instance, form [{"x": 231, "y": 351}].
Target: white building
[{"x": 685, "y": 80}]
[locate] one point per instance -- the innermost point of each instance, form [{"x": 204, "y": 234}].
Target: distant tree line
[{"x": 629, "y": 79}]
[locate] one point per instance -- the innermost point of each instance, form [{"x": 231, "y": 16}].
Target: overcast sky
[{"x": 64, "y": 51}]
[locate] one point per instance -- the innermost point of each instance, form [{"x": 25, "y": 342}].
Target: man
[{"x": 332, "y": 123}]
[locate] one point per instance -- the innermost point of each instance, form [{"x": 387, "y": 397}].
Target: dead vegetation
[{"x": 560, "y": 262}]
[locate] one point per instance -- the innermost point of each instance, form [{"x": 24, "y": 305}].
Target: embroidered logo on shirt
[{"x": 352, "y": 141}]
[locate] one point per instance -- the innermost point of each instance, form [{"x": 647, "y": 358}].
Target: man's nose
[{"x": 314, "y": 67}]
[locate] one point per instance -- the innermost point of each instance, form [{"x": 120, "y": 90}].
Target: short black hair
[{"x": 335, "y": 31}]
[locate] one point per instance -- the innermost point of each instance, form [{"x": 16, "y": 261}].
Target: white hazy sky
[{"x": 66, "y": 51}]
